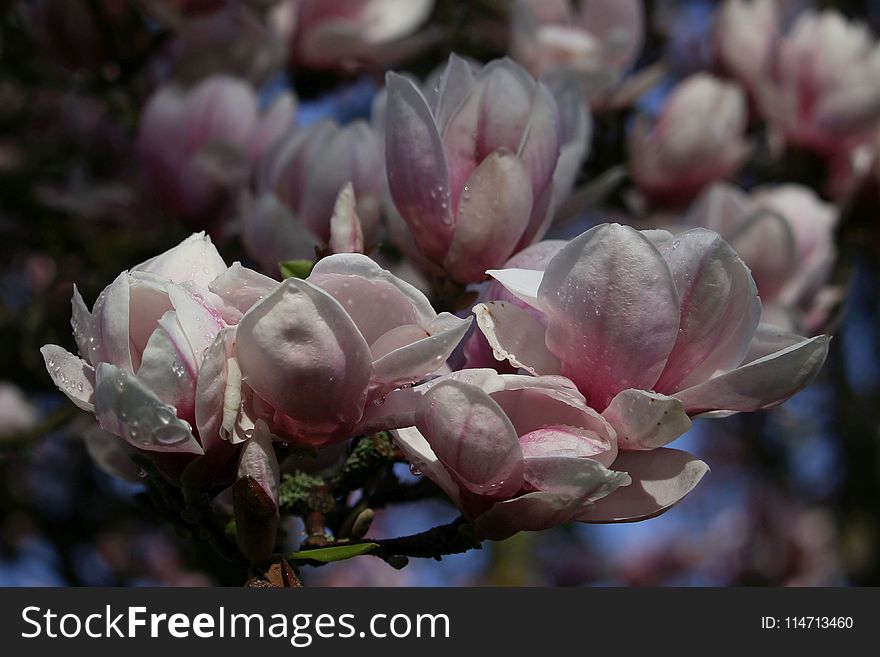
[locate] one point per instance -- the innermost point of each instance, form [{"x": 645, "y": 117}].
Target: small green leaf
[
  {"x": 335, "y": 553},
  {"x": 296, "y": 268}
]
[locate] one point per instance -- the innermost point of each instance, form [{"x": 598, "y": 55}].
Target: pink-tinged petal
[
  {"x": 580, "y": 477},
  {"x": 148, "y": 302},
  {"x": 420, "y": 455},
  {"x": 551, "y": 421},
  {"x": 218, "y": 392},
  {"x": 82, "y": 324},
  {"x": 769, "y": 339},
  {"x": 720, "y": 309},
  {"x": 396, "y": 338},
  {"x": 505, "y": 107},
  {"x": 272, "y": 234},
  {"x": 472, "y": 437},
  {"x": 346, "y": 234},
  {"x": 278, "y": 120},
  {"x": 194, "y": 260},
  {"x": 241, "y": 287},
  {"x": 660, "y": 479},
  {"x": 492, "y": 214},
  {"x": 397, "y": 409},
  {"x": 417, "y": 172},
  {"x": 258, "y": 460},
  {"x": 514, "y": 335},
  {"x": 453, "y": 87},
  {"x": 766, "y": 243},
  {"x": 521, "y": 283},
  {"x": 298, "y": 349},
  {"x": 73, "y": 376},
  {"x": 352, "y": 154},
  {"x": 169, "y": 367},
  {"x": 562, "y": 442},
  {"x": 613, "y": 311},
  {"x": 761, "y": 383},
  {"x": 124, "y": 406},
  {"x": 539, "y": 148},
  {"x": 416, "y": 360},
  {"x": 220, "y": 108},
  {"x": 721, "y": 207},
  {"x": 111, "y": 313},
  {"x": 530, "y": 513},
  {"x": 200, "y": 322},
  {"x": 285, "y": 169},
  {"x": 376, "y": 300},
  {"x": 646, "y": 420}
]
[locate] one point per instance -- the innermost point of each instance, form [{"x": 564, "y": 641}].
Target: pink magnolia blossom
[
  {"x": 343, "y": 34},
  {"x": 825, "y": 103},
  {"x": 785, "y": 235},
  {"x": 745, "y": 38},
  {"x": 653, "y": 329},
  {"x": 197, "y": 146},
  {"x": 471, "y": 166},
  {"x": 321, "y": 350},
  {"x": 301, "y": 203},
  {"x": 150, "y": 352},
  {"x": 520, "y": 453},
  {"x": 699, "y": 137},
  {"x": 598, "y": 41}
]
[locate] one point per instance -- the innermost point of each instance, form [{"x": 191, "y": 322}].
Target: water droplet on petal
[{"x": 414, "y": 470}]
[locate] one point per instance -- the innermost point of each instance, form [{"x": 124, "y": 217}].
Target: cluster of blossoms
[{"x": 558, "y": 372}]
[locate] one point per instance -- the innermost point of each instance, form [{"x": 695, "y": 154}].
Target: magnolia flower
[
  {"x": 471, "y": 167},
  {"x": 150, "y": 351},
  {"x": 698, "y": 137},
  {"x": 598, "y": 41},
  {"x": 301, "y": 201},
  {"x": 825, "y": 103},
  {"x": 653, "y": 329},
  {"x": 520, "y": 453},
  {"x": 331, "y": 34},
  {"x": 196, "y": 146},
  {"x": 319, "y": 351},
  {"x": 745, "y": 38},
  {"x": 785, "y": 235}
]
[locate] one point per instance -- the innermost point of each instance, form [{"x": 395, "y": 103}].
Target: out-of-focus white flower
[
  {"x": 341, "y": 34},
  {"x": 822, "y": 91},
  {"x": 16, "y": 412},
  {"x": 699, "y": 137},
  {"x": 785, "y": 234},
  {"x": 598, "y": 40}
]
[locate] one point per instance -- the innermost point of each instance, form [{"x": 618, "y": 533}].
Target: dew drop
[
  {"x": 178, "y": 369},
  {"x": 141, "y": 473},
  {"x": 414, "y": 470},
  {"x": 171, "y": 434}
]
